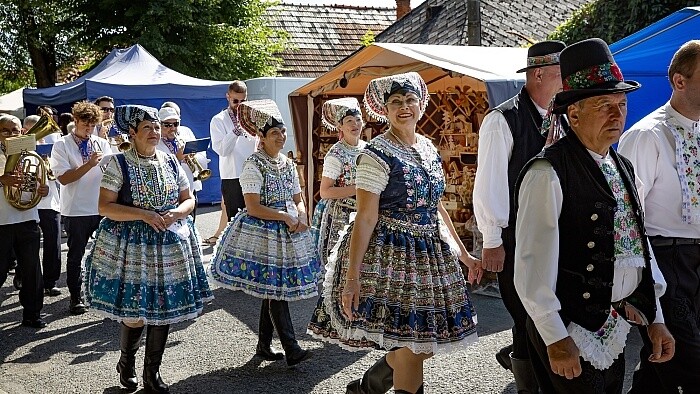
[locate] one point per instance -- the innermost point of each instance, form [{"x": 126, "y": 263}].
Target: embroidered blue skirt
[
  {"x": 263, "y": 259},
  {"x": 134, "y": 273},
  {"x": 412, "y": 293}
]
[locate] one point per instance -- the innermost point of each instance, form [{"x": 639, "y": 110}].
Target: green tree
[
  {"x": 211, "y": 39},
  {"x": 613, "y": 20},
  {"x": 367, "y": 39}
]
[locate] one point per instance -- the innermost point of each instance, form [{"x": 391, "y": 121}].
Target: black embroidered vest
[
  {"x": 586, "y": 235},
  {"x": 524, "y": 121}
]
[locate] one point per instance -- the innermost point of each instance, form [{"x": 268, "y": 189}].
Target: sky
[{"x": 372, "y": 3}]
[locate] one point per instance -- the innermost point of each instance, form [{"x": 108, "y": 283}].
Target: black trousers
[
  {"x": 50, "y": 224},
  {"x": 591, "y": 380},
  {"x": 680, "y": 265},
  {"x": 510, "y": 297},
  {"x": 194, "y": 211},
  {"x": 23, "y": 238},
  {"x": 79, "y": 229},
  {"x": 233, "y": 196}
]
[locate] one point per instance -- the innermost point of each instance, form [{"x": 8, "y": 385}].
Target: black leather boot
[
  {"x": 129, "y": 342},
  {"x": 279, "y": 311},
  {"x": 378, "y": 379},
  {"x": 525, "y": 380},
  {"x": 156, "y": 337},
  {"x": 265, "y": 329}
]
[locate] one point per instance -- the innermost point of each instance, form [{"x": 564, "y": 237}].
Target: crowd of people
[{"x": 587, "y": 241}]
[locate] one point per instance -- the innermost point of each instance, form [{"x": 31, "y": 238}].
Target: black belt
[{"x": 670, "y": 241}]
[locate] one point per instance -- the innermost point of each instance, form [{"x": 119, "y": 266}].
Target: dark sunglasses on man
[
  {"x": 107, "y": 109},
  {"x": 236, "y": 101}
]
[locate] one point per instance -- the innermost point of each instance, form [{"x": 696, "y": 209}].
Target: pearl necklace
[
  {"x": 399, "y": 140},
  {"x": 151, "y": 183}
]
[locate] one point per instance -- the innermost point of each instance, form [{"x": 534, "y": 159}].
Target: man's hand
[
  {"x": 492, "y": 259},
  {"x": 11, "y": 179},
  {"x": 43, "y": 190},
  {"x": 564, "y": 358},
  {"x": 662, "y": 343}
]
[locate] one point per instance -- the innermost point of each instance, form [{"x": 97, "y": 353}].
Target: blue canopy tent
[
  {"x": 134, "y": 76},
  {"x": 645, "y": 56}
]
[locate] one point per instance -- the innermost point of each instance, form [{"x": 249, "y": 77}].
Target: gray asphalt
[{"x": 214, "y": 354}]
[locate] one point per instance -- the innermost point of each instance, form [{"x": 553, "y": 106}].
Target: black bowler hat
[
  {"x": 545, "y": 53},
  {"x": 588, "y": 70}
]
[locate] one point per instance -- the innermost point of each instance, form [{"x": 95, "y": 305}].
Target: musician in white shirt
[
  {"x": 20, "y": 232},
  {"x": 233, "y": 145},
  {"x": 664, "y": 150},
  {"x": 76, "y": 157}
]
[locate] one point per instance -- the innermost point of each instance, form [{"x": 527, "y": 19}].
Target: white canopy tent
[
  {"x": 489, "y": 69},
  {"x": 11, "y": 103}
]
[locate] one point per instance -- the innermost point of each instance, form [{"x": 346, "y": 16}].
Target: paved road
[{"x": 214, "y": 354}]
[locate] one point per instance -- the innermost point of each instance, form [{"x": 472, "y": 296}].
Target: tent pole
[{"x": 310, "y": 154}]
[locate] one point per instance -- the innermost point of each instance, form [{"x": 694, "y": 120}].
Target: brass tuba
[{"x": 35, "y": 171}]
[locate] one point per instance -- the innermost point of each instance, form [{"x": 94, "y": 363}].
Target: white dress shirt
[
  {"x": 186, "y": 134},
  {"x": 491, "y": 194},
  {"x": 537, "y": 254},
  {"x": 232, "y": 149},
  {"x": 52, "y": 201},
  {"x": 651, "y": 148},
  {"x": 78, "y": 198}
]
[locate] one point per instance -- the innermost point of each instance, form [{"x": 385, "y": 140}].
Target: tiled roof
[
  {"x": 503, "y": 22},
  {"x": 323, "y": 35}
]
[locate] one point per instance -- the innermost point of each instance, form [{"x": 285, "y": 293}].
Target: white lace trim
[
  {"x": 251, "y": 179},
  {"x": 633, "y": 261},
  {"x": 371, "y": 175},
  {"x": 417, "y": 348},
  {"x": 601, "y": 352},
  {"x": 151, "y": 322},
  {"x": 332, "y": 167}
]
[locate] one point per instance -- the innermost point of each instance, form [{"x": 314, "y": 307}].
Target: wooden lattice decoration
[{"x": 451, "y": 121}]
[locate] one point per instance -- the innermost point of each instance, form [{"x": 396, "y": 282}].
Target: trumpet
[
  {"x": 198, "y": 172},
  {"x": 32, "y": 167},
  {"x": 121, "y": 141}
]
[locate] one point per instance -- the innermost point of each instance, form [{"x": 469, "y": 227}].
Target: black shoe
[
  {"x": 17, "y": 282},
  {"x": 77, "y": 306},
  {"x": 267, "y": 353},
  {"x": 503, "y": 357},
  {"x": 52, "y": 292},
  {"x": 34, "y": 323},
  {"x": 298, "y": 356}
]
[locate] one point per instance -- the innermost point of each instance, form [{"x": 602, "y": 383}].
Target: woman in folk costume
[
  {"x": 338, "y": 179},
  {"x": 145, "y": 267},
  {"x": 337, "y": 202},
  {"x": 398, "y": 284},
  {"x": 266, "y": 251}
]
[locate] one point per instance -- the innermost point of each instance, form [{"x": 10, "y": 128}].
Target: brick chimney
[{"x": 403, "y": 7}]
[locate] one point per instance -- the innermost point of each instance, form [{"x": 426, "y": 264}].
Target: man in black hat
[
  {"x": 664, "y": 148},
  {"x": 583, "y": 266},
  {"x": 510, "y": 136}
]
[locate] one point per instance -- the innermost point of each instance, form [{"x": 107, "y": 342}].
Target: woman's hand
[
  {"x": 301, "y": 226},
  {"x": 155, "y": 220},
  {"x": 169, "y": 217},
  {"x": 474, "y": 266},
  {"x": 351, "y": 298},
  {"x": 291, "y": 222}
]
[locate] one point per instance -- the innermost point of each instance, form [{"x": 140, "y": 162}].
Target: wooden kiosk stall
[{"x": 464, "y": 82}]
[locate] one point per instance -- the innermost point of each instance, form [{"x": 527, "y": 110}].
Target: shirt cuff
[
  {"x": 492, "y": 236},
  {"x": 659, "y": 313},
  {"x": 551, "y": 328}
]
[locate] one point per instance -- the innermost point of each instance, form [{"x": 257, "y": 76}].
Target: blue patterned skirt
[
  {"x": 263, "y": 259},
  {"x": 330, "y": 218},
  {"x": 412, "y": 293},
  {"x": 135, "y": 273}
]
